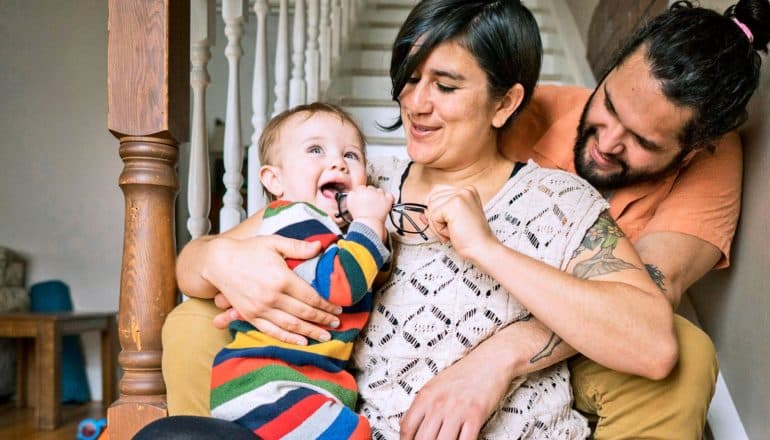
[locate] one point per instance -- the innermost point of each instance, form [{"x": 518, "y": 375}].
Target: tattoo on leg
[
  {"x": 604, "y": 234},
  {"x": 547, "y": 351},
  {"x": 656, "y": 276}
]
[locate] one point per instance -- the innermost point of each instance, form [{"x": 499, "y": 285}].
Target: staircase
[{"x": 362, "y": 86}]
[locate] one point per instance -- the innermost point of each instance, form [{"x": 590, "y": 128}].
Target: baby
[{"x": 311, "y": 156}]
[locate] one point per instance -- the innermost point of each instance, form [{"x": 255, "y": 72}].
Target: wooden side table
[{"x": 47, "y": 330}]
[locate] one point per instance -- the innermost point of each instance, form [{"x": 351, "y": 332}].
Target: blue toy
[{"x": 89, "y": 429}]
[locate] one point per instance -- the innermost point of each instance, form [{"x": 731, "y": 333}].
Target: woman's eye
[
  {"x": 445, "y": 89},
  {"x": 413, "y": 80},
  {"x": 315, "y": 149}
]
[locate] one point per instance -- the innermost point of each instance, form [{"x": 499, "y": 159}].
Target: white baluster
[
  {"x": 312, "y": 57},
  {"x": 259, "y": 108},
  {"x": 282, "y": 60},
  {"x": 234, "y": 14},
  {"x": 336, "y": 31},
  {"x": 345, "y": 25},
  {"x": 202, "y": 36},
  {"x": 297, "y": 85},
  {"x": 324, "y": 38},
  {"x": 353, "y": 14}
]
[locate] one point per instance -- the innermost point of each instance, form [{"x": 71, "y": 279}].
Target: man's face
[{"x": 629, "y": 131}]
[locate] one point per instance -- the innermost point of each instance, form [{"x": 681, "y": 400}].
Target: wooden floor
[{"x": 18, "y": 423}]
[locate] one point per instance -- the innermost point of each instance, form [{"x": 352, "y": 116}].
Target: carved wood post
[{"x": 148, "y": 111}]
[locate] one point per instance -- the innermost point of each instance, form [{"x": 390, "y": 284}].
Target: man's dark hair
[
  {"x": 705, "y": 61},
  {"x": 502, "y": 35}
]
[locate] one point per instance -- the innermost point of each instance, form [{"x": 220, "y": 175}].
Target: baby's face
[{"x": 318, "y": 157}]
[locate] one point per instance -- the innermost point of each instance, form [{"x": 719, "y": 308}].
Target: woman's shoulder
[
  {"x": 554, "y": 178},
  {"x": 541, "y": 185},
  {"x": 385, "y": 171}
]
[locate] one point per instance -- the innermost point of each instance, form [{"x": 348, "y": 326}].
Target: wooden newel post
[{"x": 148, "y": 111}]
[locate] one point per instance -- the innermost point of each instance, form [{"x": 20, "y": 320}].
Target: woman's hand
[
  {"x": 458, "y": 401},
  {"x": 253, "y": 278},
  {"x": 457, "y": 215}
]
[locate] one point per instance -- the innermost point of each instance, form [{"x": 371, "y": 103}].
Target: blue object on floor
[
  {"x": 90, "y": 429},
  {"x": 54, "y": 296}
]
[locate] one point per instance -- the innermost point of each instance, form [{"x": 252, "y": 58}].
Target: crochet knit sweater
[{"x": 436, "y": 307}]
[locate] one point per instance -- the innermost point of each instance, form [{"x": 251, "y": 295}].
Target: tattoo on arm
[
  {"x": 547, "y": 351},
  {"x": 604, "y": 234},
  {"x": 657, "y": 276}
]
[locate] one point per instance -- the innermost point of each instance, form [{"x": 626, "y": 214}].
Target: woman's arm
[
  {"x": 521, "y": 348},
  {"x": 605, "y": 305},
  {"x": 250, "y": 273}
]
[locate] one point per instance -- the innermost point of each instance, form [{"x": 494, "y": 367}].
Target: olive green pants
[{"x": 626, "y": 406}]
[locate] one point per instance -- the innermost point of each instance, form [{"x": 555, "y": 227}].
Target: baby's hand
[{"x": 369, "y": 202}]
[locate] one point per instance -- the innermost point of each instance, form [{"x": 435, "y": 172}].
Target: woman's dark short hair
[
  {"x": 706, "y": 62},
  {"x": 502, "y": 35}
]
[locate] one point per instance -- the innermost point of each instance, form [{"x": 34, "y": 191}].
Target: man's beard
[{"x": 587, "y": 169}]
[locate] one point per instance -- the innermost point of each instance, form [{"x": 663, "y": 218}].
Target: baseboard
[{"x": 723, "y": 418}]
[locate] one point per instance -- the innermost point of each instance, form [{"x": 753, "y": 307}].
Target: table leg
[
  {"x": 48, "y": 350},
  {"x": 22, "y": 364},
  {"x": 109, "y": 337}
]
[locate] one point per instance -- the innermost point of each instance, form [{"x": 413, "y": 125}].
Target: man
[
  {"x": 646, "y": 139},
  {"x": 642, "y": 136}
]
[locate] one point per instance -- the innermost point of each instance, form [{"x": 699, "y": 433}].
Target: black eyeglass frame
[{"x": 399, "y": 208}]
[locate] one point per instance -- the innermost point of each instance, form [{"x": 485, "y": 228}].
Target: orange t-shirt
[{"x": 702, "y": 199}]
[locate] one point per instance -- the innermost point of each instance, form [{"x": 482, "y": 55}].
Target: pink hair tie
[{"x": 745, "y": 29}]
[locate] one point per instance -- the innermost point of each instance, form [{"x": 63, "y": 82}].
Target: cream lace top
[{"x": 436, "y": 307}]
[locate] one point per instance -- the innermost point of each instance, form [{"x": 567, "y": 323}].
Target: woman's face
[{"x": 447, "y": 112}]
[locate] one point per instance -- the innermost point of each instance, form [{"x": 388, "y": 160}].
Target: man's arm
[{"x": 675, "y": 261}]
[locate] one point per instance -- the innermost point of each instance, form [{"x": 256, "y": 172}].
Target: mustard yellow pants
[{"x": 627, "y": 407}]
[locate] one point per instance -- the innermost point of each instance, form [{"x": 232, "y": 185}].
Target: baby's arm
[
  {"x": 371, "y": 206},
  {"x": 347, "y": 272}
]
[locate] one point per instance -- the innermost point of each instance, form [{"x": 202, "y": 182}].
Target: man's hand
[{"x": 252, "y": 277}]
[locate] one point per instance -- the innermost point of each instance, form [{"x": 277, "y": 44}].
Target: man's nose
[{"x": 612, "y": 139}]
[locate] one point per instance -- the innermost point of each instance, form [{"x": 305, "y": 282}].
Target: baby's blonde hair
[{"x": 269, "y": 136}]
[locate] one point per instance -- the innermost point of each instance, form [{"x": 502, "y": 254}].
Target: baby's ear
[{"x": 270, "y": 176}]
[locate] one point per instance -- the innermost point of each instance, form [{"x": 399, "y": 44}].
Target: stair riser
[
  {"x": 377, "y": 35},
  {"x": 554, "y": 64},
  {"x": 368, "y": 59},
  {"x": 369, "y": 87}
]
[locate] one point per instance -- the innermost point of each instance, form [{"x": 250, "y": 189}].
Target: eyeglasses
[{"x": 400, "y": 215}]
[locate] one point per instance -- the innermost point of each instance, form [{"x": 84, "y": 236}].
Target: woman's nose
[{"x": 416, "y": 98}]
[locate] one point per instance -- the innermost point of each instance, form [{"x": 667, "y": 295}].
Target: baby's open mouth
[{"x": 330, "y": 189}]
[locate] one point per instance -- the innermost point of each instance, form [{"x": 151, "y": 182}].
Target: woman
[{"x": 501, "y": 238}]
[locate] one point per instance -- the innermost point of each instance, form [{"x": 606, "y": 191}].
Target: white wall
[{"x": 60, "y": 203}]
